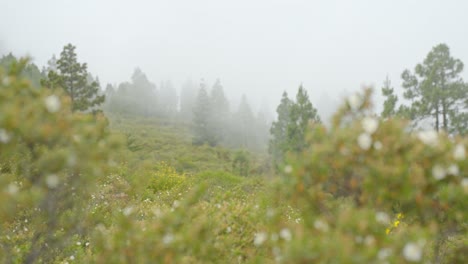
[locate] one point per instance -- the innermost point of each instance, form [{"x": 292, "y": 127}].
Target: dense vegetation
[{"x": 146, "y": 187}]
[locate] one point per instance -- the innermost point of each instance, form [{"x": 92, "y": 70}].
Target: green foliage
[
  {"x": 437, "y": 91},
  {"x": 376, "y": 165},
  {"x": 288, "y": 132},
  {"x": 220, "y": 112},
  {"x": 202, "y": 118},
  {"x": 363, "y": 190},
  {"x": 165, "y": 178},
  {"x": 390, "y": 101},
  {"x": 136, "y": 98},
  {"x": 243, "y": 125},
  {"x": 279, "y": 130},
  {"x": 301, "y": 115},
  {"x": 241, "y": 163},
  {"x": 53, "y": 158},
  {"x": 72, "y": 77},
  {"x": 29, "y": 72}
]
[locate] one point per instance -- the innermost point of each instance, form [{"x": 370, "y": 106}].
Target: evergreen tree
[
  {"x": 30, "y": 71},
  {"x": 244, "y": 122},
  {"x": 72, "y": 76},
  {"x": 220, "y": 112},
  {"x": 288, "y": 132},
  {"x": 302, "y": 113},
  {"x": 436, "y": 91},
  {"x": 202, "y": 118},
  {"x": 279, "y": 130},
  {"x": 390, "y": 101},
  {"x": 188, "y": 95}
]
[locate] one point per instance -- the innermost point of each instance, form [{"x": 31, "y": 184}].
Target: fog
[{"x": 258, "y": 48}]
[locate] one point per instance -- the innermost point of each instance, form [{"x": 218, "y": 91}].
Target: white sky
[{"x": 259, "y": 48}]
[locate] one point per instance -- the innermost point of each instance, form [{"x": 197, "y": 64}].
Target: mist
[{"x": 257, "y": 48}]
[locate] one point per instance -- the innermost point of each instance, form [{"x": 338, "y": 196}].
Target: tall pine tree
[
  {"x": 278, "y": 144},
  {"x": 220, "y": 112},
  {"x": 288, "y": 132},
  {"x": 202, "y": 132},
  {"x": 72, "y": 76},
  {"x": 302, "y": 113},
  {"x": 437, "y": 92}
]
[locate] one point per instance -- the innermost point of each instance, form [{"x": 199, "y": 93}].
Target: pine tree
[
  {"x": 390, "y": 101},
  {"x": 220, "y": 112},
  {"x": 278, "y": 144},
  {"x": 302, "y": 113},
  {"x": 30, "y": 71},
  {"x": 202, "y": 118},
  {"x": 72, "y": 76},
  {"x": 436, "y": 91},
  {"x": 138, "y": 97},
  {"x": 244, "y": 120},
  {"x": 288, "y": 132}
]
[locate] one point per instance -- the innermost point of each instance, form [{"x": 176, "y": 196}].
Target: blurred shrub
[
  {"x": 165, "y": 178},
  {"x": 384, "y": 169},
  {"x": 50, "y": 159}
]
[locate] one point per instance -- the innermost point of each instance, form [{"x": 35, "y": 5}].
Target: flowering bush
[
  {"x": 383, "y": 168},
  {"x": 49, "y": 160}
]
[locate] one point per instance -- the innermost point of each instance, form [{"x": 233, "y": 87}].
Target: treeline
[
  {"x": 212, "y": 118},
  {"x": 206, "y": 108}
]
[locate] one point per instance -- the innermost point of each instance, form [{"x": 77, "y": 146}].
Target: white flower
[
  {"x": 128, "y": 210},
  {"x": 78, "y": 243},
  {"x": 175, "y": 204},
  {"x": 12, "y": 189},
  {"x": 412, "y": 252},
  {"x": 260, "y": 238},
  {"x": 52, "y": 181},
  {"x": 355, "y": 101},
  {"x": 370, "y": 124},
  {"x": 228, "y": 229},
  {"x": 378, "y": 145},
  {"x": 4, "y": 136},
  {"x": 453, "y": 170},
  {"x": 285, "y": 234},
  {"x": 72, "y": 257},
  {"x": 288, "y": 169},
  {"x": 459, "y": 152},
  {"x": 52, "y": 103},
  {"x": 168, "y": 238},
  {"x": 382, "y": 218},
  {"x": 384, "y": 253},
  {"x": 438, "y": 172},
  {"x": 364, "y": 141},
  {"x": 464, "y": 183},
  {"x": 429, "y": 137},
  {"x": 321, "y": 225}
]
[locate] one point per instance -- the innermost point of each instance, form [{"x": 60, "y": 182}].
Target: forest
[{"x": 137, "y": 173}]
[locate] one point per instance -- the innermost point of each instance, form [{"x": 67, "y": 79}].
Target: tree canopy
[
  {"x": 72, "y": 77},
  {"x": 437, "y": 92}
]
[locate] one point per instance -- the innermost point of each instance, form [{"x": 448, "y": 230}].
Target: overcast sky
[{"x": 256, "y": 47}]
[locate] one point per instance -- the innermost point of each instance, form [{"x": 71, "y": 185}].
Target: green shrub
[{"x": 52, "y": 159}]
